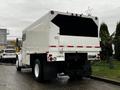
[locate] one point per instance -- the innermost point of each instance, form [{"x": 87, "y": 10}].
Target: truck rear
[{"x": 59, "y": 43}]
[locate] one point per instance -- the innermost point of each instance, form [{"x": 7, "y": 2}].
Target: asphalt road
[{"x": 10, "y": 79}]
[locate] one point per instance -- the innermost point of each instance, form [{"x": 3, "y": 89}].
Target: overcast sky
[{"x": 15, "y": 15}]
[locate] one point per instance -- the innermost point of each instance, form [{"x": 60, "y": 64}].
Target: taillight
[
  {"x": 50, "y": 55},
  {"x": 51, "y": 58},
  {"x": 98, "y": 56}
]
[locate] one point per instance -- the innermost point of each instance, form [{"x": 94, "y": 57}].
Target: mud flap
[
  {"x": 87, "y": 69},
  {"x": 50, "y": 72}
]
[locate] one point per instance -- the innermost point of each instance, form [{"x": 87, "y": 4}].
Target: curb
[{"x": 106, "y": 80}]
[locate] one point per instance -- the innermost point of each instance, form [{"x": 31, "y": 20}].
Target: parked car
[
  {"x": 93, "y": 56},
  {"x": 1, "y": 51},
  {"x": 9, "y": 54}
]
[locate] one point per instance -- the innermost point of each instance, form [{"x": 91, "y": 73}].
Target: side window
[{"x": 24, "y": 37}]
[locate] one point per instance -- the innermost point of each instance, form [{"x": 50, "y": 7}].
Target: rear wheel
[
  {"x": 38, "y": 72},
  {"x": 72, "y": 76},
  {"x": 76, "y": 75}
]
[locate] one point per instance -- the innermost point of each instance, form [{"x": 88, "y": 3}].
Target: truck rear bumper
[{"x": 71, "y": 61}]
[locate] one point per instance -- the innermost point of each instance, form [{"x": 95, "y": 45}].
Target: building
[{"x": 3, "y": 38}]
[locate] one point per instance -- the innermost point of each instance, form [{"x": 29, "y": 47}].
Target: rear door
[
  {"x": 75, "y": 43},
  {"x": 77, "y": 33}
]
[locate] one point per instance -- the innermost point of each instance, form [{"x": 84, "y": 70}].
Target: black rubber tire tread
[{"x": 18, "y": 68}]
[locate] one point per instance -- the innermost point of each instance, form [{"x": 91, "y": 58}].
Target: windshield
[
  {"x": 76, "y": 26},
  {"x": 9, "y": 51},
  {"x": 10, "y": 47}
]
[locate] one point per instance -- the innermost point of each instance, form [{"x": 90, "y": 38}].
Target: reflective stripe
[
  {"x": 88, "y": 46},
  {"x": 61, "y": 46},
  {"x": 70, "y": 46},
  {"x": 97, "y": 46},
  {"x": 52, "y": 46},
  {"x": 79, "y": 46}
]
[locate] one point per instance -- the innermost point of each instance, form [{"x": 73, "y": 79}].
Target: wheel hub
[{"x": 36, "y": 71}]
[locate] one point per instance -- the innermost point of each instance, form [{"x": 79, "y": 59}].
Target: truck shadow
[
  {"x": 61, "y": 80},
  {"x": 26, "y": 80}
]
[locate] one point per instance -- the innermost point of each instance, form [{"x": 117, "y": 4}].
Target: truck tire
[
  {"x": 17, "y": 66},
  {"x": 75, "y": 76},
  {"x": 38, "y": 71},
  {"x": 72, "y": 76},
  {"x": 0, "y": 58}
]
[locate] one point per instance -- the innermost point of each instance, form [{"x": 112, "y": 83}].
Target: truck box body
[
  {"x": 60, "y": 36},
  {"x": 61, "y": 32}
]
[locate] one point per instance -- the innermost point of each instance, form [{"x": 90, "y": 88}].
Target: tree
[
  {"x": 117, "y": 41},
  {"x": 106, "y": 42}
]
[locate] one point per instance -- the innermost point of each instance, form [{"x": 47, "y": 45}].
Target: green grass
[{"x": 102, "y": 69}]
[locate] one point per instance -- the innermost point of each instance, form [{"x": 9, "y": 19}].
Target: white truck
[{"x": 59, "y": 43}]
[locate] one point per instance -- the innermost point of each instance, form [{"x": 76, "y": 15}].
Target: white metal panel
[
  {"x": 53, "y": 37},
  {"x": 79, "y": 41},
  {"x": 37, "y": 41},
  {"x": 43, "y": 33}
]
